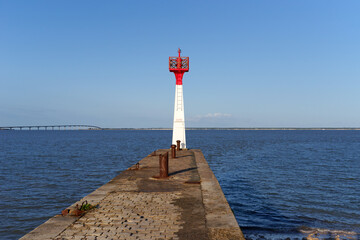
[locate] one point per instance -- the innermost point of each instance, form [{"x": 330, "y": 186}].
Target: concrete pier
[{"x": 189, "y": 204}]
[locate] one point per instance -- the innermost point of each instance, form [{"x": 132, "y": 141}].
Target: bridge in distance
[{"x": 53, "y": 127}]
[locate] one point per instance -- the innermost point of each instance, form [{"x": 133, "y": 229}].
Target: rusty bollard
[
  {"x": 164, "y": 165},
  {"x": 178, "y": 145},
  {"x": 173, "y": 152}
]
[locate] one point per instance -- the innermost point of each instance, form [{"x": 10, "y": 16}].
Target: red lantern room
[{"x": 179, "y": 65}]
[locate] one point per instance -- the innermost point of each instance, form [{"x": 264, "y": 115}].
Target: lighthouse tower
[{"x": 179, "y": 65}]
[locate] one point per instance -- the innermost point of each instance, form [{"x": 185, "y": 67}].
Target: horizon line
[{"x": 242, "y": 128}]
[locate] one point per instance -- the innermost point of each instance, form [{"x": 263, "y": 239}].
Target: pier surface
[{"x": 189, "y": 204}]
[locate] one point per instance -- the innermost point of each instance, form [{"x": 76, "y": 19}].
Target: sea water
[{"x": 280, "y": 184}]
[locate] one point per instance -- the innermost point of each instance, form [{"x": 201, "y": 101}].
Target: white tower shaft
[{"x": 179, "y": 117}]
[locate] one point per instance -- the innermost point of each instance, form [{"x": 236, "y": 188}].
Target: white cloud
[{"x": 209, "y": 116}]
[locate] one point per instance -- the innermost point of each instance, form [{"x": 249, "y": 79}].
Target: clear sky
[{"x": 252, "y": 63}]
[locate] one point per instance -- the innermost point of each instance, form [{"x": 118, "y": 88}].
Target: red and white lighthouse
[{"x": 179, "y": 65}]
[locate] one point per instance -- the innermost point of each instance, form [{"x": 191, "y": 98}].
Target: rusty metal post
[
  {"x": 178, "y": 145},
  {"x": 173, "y": 152},
  {"x": 164, "y": 165}
]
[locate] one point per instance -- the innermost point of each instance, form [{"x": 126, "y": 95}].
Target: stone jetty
[{"x": 188, "y": 204}]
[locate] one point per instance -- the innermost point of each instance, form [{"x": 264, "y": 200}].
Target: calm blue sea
[{"x": 279, "y": 183}]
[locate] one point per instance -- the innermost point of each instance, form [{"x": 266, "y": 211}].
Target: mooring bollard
[
  {"x": 164, "y": 165},
  {"x": 173, "y": 152},
  {"x": 178, "y": 145}
]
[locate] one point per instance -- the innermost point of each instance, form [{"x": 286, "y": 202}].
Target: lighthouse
[{"x": 179, "y": 65}]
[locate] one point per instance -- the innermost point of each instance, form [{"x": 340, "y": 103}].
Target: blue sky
[{"x": 252, "y": 63}]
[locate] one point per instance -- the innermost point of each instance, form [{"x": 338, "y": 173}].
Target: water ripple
[{"x": 279, "y": 183}]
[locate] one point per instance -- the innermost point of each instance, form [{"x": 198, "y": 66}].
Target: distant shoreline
[
  {"x": 168, "y": 129},
  {"x": 316, "y": 129}
]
